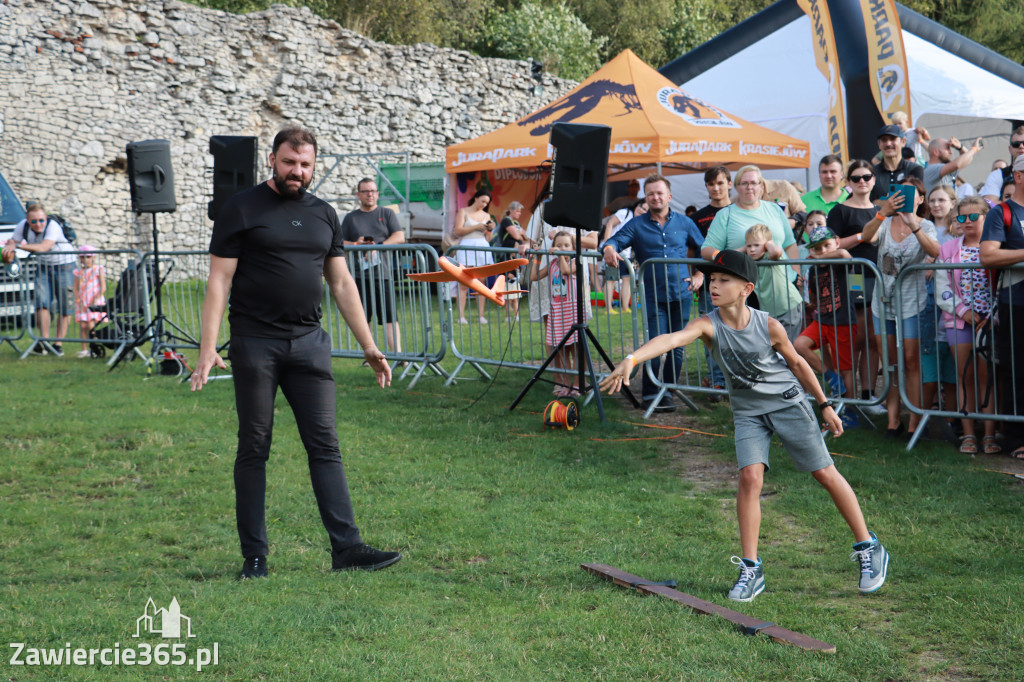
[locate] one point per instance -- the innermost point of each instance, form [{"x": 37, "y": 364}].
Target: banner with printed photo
[
  {"x": 827, "y": 59},
  {"x": 505, "y": 185},
  {"x": 887, "y": 61}
]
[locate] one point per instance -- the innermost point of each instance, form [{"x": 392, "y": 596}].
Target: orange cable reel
[{"x": 561, "y": 415}]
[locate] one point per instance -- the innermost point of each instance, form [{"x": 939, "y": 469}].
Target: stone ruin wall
[{"x": 80, "y": 80}]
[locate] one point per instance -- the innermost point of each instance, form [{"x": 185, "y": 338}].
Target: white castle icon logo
[{"x": 164, "y": 622}]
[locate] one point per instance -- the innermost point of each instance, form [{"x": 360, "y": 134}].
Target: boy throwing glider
[{"x": 766, "y": 397}]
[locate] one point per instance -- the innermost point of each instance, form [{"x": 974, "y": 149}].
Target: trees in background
[{"x": 573, "y": 37}]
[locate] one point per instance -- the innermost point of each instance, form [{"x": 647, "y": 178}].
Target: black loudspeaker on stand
[
  {"x": 577, "y": 196},
  {"x": 151, "y": 181},
  {"x": 234, "y": 168}
]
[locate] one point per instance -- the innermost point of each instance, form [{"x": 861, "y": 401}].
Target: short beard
[{"x": 281, "y": 184}]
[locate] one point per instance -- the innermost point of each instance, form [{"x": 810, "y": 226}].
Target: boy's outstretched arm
[
  {"x": 802, "y": 371},
  {"x": 699, "y": 328}
]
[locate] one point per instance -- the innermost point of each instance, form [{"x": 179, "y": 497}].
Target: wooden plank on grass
[{"x": 747, "y": 624}]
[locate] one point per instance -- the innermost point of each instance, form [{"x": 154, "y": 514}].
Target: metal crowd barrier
[
  {"x": 17, "y": 301},
  {"x": 983, "y": 382},
  {"x": 518, "y": 341},
  {"x": 414, "y": 341},
  {"x": 116, "y": 314},
  {"x": 183, "y": 275},
  {"x": 696, "y": 375}
]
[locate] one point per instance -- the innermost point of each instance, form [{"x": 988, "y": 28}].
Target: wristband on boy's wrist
[
  {"x": 632, "y": 361},
  {"x": 822, "y": 406}
]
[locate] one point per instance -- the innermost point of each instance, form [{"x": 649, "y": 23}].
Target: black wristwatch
[{"x": 822, "y": 406}]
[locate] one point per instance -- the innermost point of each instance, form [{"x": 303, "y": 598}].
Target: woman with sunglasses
[
  {"x": 965, "y": 297},
  {"x": 847, "y": 221},
  {"x": 904, "y": 239}
]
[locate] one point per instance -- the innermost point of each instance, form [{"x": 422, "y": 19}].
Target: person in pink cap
[{"x": 90, "y": 290}]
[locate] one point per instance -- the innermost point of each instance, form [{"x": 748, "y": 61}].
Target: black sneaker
[
  {"x": 254, "y": 567},
  {"x": 58, "y": 349},
  {"x": 666, "y": 404},
  {"x": 362, "y": 558},
  {"x": 38, "y": 349}
]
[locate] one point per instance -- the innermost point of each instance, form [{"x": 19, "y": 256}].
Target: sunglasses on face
[
  {"x": 1018, "y": 143},
  {"x": 861, "y": 178},
  {"x": 971, "y": 217}
]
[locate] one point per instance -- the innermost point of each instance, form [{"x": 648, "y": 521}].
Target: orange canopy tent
[{"x": 654, "y": 124}]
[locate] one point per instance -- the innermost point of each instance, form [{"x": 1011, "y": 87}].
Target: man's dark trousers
[
  {"x": 302, "y": 368},
  {"x": 664, "y": 317}
]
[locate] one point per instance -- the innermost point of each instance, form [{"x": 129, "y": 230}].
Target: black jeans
[
  {"x": 1009, "y": 336},
  {"x": 302, "y": 368}
]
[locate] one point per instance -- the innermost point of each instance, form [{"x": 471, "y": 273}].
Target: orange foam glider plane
[{"x": 471, "y": 277}]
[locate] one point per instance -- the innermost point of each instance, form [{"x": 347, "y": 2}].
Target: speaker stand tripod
[
  {"x": 584, "y": 363},
  {"x": 155, "y": 330}
]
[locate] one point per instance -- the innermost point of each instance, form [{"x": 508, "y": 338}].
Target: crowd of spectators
[{"x": 902, "y": 211}]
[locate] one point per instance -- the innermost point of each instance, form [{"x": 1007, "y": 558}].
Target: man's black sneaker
[
  {"x": 362, "y": 558},
  {"x": 254, "y": 567},
  {"x": 664, "y": 405}
]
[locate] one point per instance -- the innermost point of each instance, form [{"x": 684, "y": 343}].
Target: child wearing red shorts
[{"x": 837, "y": 318}]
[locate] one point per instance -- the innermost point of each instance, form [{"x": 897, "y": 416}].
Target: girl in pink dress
[
  {"x": 90, "y": 290},
  {"x": 562, "y": 316}
]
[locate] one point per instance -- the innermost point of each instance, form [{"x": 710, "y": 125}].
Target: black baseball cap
[
  {"x": 732, "y": 263},
  {"x": 891, "y": 129}
]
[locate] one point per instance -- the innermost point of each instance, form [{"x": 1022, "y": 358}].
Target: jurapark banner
[
  {"x": 827, "y": 59},
  {"x": 887, "y": 62}
]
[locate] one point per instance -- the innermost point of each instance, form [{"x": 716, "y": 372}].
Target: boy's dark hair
[
  {"x": 711, "y": 174},
  {"x": 295, "y": 136}
]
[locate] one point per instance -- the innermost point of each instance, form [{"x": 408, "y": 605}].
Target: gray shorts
[{"x": 796, "y": 427}]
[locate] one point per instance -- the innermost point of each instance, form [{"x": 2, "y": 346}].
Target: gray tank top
[{"x": 758, "y": 380}]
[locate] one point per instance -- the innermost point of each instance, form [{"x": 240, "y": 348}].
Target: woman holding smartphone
[
  {"x": 904, "y": 239},
  {"x": 473, "y": 227}
]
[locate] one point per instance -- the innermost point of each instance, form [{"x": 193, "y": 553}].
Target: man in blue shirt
[{"x": 668, "y": 288}]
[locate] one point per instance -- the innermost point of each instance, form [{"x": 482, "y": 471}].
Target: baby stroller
[{"x": 125, "y": 314}]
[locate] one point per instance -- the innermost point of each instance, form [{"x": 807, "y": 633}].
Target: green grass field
[{"x": 116, "y": 488}]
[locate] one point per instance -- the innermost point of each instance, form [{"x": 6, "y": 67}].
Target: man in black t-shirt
[
  {"x": 718, "y": 182},
  {"x": 893, "y": 169},
  {"x": 373, "y": 224},
  {"x": 272, "y": 247}
]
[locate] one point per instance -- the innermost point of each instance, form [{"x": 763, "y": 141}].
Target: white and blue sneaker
[
  {"x": 850, "y": 420},
  {"x": 874, "y": 564},
  {"x": 751, "y": 580},
  {"x": 835, "y": 384}
]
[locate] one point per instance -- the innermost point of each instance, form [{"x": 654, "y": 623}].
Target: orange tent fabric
[{"x": 652, "y": 122}]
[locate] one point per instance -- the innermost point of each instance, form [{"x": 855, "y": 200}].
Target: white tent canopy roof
[{"x": 774, "y": 81}]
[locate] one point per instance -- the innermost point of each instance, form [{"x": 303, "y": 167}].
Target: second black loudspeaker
[
  {"x": 579, "y": 175},
  {"x": 234, "y": 168},
  {"x": 150, "y": 176}
]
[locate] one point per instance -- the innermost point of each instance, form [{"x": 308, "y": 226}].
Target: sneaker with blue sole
[
  {"x": 850, "y": 420},
  {"x": 835, "y": 384},
  {"x": 874, "y": 564},
  {"x": 751, "y": 580}
]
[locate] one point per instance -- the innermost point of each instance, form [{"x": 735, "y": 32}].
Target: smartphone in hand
[{"x": 908, "y": 192}]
